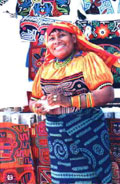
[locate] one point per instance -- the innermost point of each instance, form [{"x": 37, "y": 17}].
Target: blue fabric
[{"x": 79, "y": 147}]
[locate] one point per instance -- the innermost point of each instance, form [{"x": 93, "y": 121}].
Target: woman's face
[{"x": 61, "y": 43}]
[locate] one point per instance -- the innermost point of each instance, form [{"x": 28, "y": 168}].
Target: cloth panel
[
  {"x": 40, "y": 152},
  {"x": 43, "y": 8},
  {"x": 16, "y": 162},
  {"x": 114, "y": 133}
]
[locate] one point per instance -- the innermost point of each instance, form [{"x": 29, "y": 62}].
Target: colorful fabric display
[
  {"x": 48, "y": 8},
  {"x": 107, "y": 35},
  {"x": 101, "y": 6},
  {"x": 100, "y": 29},
  {"x": 116, "y": 173},
  {"x": 36, "y": 59},
  {"x": 114, "y": 48},
  {"x": 32, "y": 28},
  {"x": 16, "y": 162},
  {"x": 114, "y": 133},
  {"x": 39, "y": 144}
]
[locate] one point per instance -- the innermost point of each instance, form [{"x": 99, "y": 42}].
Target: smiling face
[{"x": 61, "y": 43}]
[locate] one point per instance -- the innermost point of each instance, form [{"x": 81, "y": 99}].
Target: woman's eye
[
  {"x": 62, "y": 34},
  {"x": 51, "y": 38}
]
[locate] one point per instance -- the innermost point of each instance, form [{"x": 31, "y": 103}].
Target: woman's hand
[
  {"x": 59, "y": 99},
  {"x": 38, "y": 107}
]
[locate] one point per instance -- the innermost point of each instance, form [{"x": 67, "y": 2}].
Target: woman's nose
[{"x": 57, "y": 40}]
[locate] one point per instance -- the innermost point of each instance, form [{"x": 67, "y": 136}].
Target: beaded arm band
[
  {"x": 76, "y": 101},
  {"x": 89, "y": 100}
]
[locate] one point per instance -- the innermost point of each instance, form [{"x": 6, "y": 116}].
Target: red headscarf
[{"x": 82, "y": 43}]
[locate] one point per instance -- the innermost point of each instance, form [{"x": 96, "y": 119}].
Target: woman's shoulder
[
  {"x": 84, "y": 54},
  {"x": 92, "y": 58}
]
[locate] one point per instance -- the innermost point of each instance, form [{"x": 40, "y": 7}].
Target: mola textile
[
  {"x": 44, "y": 8},
  {"x": 16, "y": 162}
]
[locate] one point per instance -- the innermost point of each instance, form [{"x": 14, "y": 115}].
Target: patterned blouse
[{"x": 85, "y": 72}]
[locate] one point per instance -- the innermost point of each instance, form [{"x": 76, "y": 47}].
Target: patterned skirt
[{"x": 79, "y": 147}]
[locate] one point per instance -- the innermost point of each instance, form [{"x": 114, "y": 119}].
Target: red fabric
[
  {"x": 16, "y": 162},
  {"x": 114, "y": 133},
  {"x": 36, "y": 59},
  {"x": 40, "y": 152}
]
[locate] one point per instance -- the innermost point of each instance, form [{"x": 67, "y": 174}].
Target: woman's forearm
[{"x": 95, "y": 98}]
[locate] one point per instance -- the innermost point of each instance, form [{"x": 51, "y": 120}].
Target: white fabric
[{"x": 13, "y": 52}]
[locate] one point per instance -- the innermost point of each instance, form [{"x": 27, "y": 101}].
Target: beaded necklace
[{"x": 60, "y": 64}]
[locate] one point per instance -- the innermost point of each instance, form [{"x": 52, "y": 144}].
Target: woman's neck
[{"x": 66, "y": 58}]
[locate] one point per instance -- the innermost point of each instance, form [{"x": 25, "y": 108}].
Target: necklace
[{"x": 63, "y": 63}]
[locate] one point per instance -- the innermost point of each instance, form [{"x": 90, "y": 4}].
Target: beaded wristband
[
  {"x": 76, "y": 101},
  {"x": 89, "y": 100}
]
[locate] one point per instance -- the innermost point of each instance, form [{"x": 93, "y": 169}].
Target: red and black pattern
[
  {"x": 69, "y": 85},
  {"x": 40, "y": 152},
  {"x": 114, "y": 133},
  {"x": 16, "y": 162}
]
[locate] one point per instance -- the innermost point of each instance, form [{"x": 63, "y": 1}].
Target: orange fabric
[
  {"x": 36, "y": 88},
  {"x": 95, "y": 72},
  {"x": 16, "y": 160},
  {"x": 82, "y": 43}
]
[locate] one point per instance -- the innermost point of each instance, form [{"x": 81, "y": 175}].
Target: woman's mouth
[{"x": 59, "y": 47}]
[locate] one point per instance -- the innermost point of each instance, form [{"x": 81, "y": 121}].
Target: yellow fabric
[
  {"x": 36, "y": 88},
  {"x": 94, "y": 70}
]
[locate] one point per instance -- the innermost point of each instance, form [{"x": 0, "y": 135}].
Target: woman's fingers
[
  {"x": 39, "y": 108},
  {"x": 53, "y": 99}
]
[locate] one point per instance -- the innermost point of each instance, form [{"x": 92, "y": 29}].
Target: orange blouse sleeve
[
  {"x": 95, "y": 71},
  {"x": 117, "y": 63},
  {"x": 36, "y": 88}
]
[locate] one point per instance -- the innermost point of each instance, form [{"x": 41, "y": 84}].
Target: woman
[{"x": 75, "y": 81}]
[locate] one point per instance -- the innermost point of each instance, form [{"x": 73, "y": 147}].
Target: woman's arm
[{"x": 99, "y": 97}]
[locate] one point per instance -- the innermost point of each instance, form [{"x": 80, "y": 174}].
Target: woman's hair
[{"x": 60, "y": 30}]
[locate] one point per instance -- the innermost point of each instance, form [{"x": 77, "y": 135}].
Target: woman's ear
[{"x": 74, "y": 38}]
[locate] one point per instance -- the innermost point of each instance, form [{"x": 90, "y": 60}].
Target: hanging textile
[
  {"x": 16, "y": 162},
  {"x": 40, "y": 152},
  {"x": 32, "y": 28},
  {"x": 114, "y": 133},
  {"x": 107, "y": 35},
  {"x": 48, "y": 8},
  {"x": 95, "y": 30},
  {"x": 36, "y": 59},
  {"x": 101, "y": 6}
]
